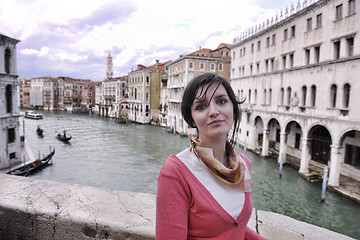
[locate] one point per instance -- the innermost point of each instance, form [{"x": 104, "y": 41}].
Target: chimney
[{"x": 157, "y": 64}]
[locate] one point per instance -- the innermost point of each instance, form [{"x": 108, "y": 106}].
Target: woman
[{"x": 204, "y": 192}]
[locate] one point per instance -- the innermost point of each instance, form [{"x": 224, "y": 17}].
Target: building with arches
[
  {"x": 10, "y": 145},
  {"x": 298, "y": 76}
]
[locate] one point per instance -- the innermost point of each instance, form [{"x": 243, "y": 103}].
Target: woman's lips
[{"x": 216, "y": 123}]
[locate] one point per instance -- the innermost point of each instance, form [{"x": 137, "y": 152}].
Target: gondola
[
  {"x": 33, "y": 166},
  {"x": 63, "y": 137},
  {"x": 39, "y": 131}
]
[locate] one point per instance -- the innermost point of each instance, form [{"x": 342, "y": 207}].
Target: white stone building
[
  {"x": 112, "y": 92},
  {"x": 183, "y": 70},
  {"x": 298, "y": 76},
  {"x": 10, "y": 144}
]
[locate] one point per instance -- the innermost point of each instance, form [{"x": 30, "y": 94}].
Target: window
[
  {"x": 273, "y": 39},
  {"x": 251, "y": 69},
  {"x": 11, "y": 135},
  {"x": 351, "y": 7},
  {"x": 350, "y": 46},
  {"x": 284, "y": 62},
  {"x": 244, "y": 51},
  {"x": 270, "y": 96},
  {"x": 338, "y": 13},
  {"x": 313, "y": 96},
  {"x": 281, "y": 100},
  {"x": 249, "y": 96},
  {"x": 252, "y": 48},
  {"x": 220, "y": 66},
  {"x": 333, "y": 91},
  {"x": 191, "y": 65},
  {"x": 266, "y": 65},
  {"x": 258, "y": 45},
  {"x": 255, "y": 97},
  {"x": 264, "y": 97},
  {"x": 303, "y": 96},
  {"x": 319, "y": 20},
  {"x": 241, "y": 52},
  {"x": 346, "y": 95},
  {"x": 272, "y": 64},
  {"x": 309, "y": 24},
  {"x": 212, "y": 67},
  {"x": 317, "y": 54},
  {"x": 293, "y": 31},
  {"x": 307, "y": 56},
  {"x": 337, "y": 49},
  {"x": 285, "y": 34},
  {"x": 7, "y": 60},
  {"x": 291, "y": 56},
  {"x": 257, "y": 68},
  {"x": 288, "y": 96},
  {"x": 267, "y": 41},
  {"x": 147, "y": 80},
  {"x": 8, "y": 95},
  {"x": 202, "y": 66}
]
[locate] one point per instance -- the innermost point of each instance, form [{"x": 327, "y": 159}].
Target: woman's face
[{"x": 213, "y": 119}]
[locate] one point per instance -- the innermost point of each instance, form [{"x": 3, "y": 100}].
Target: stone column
[
  {"x": 265, "y": 143},
  {"x": 335, "y": 166},
  {"x": 282, "y": 149},
  {"x": 305, "y": 155},
  {"x": 252, "y": 137}
]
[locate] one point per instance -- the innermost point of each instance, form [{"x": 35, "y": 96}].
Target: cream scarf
[{"x": 237, "y": 175}]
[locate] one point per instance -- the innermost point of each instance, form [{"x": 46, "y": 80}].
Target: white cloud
[{"x": 137, "y": 32}]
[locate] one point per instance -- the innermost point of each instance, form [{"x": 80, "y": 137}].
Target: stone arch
[
  {"x": 274, "y": 129},
  {"x": 321, "y": 141},
  {"x": 349, "y": 142},
  {"x": 259, "y": 126},
  {"x": 294, "y": 134}
]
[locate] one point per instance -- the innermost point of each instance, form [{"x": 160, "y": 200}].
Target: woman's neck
[{"x": 218, "y": 147}]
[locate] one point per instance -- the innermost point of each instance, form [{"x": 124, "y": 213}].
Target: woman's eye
[
  {"x": 222, "y": 101},
  {"x": 200, "y": 107}
]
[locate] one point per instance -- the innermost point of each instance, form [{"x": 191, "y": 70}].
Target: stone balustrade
[{"x": 38, "y": 209}]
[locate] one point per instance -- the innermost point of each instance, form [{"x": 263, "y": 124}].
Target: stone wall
[{"x": 44, "y": 210}]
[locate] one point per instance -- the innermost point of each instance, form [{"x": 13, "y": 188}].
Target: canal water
[{"x": 128, "y": 157}]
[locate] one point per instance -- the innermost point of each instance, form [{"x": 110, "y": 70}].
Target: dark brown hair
[{"x": 199, "y": 84}]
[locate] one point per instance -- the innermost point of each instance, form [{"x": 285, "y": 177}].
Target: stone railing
[{"x": 37, "y": 209}]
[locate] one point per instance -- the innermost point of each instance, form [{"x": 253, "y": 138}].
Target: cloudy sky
[{"x": 74, "y": 37}]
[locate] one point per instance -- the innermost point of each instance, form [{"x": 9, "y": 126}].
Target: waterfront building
[
  {"x": 298, "y": 76},
  {"x": 61, "y": 93},
  {"x": 144, "y": 89},
  {"x": 185, "y": 68},
  {"x": 164, "y": 97},
  {"x": 23, "y": 92},
  {"x": 98, "y": 97},
  {"x": 112, "y": 92},
  {"x": 10, "y": 144}
]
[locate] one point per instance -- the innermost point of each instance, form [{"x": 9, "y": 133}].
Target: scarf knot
[{"x": 236, "y": 175}]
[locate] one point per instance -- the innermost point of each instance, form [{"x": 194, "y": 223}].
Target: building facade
[
  {"x": 185, "y": 68},
  {"x": 298, "y": 77},
  {"x": 144, "y": 88},
  {"x": 10, "y": 144}
]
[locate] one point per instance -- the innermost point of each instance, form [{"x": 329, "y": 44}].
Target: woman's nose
[{"x": 213, "y": 110}]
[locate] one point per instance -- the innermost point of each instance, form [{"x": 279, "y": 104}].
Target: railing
[{"x": 36, "y": 209}]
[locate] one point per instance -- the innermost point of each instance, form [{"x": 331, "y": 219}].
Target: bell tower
[{"x": 109, "y": 67}]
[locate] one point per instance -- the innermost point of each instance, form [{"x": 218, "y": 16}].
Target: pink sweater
[{"x": 186, "y": 210}]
